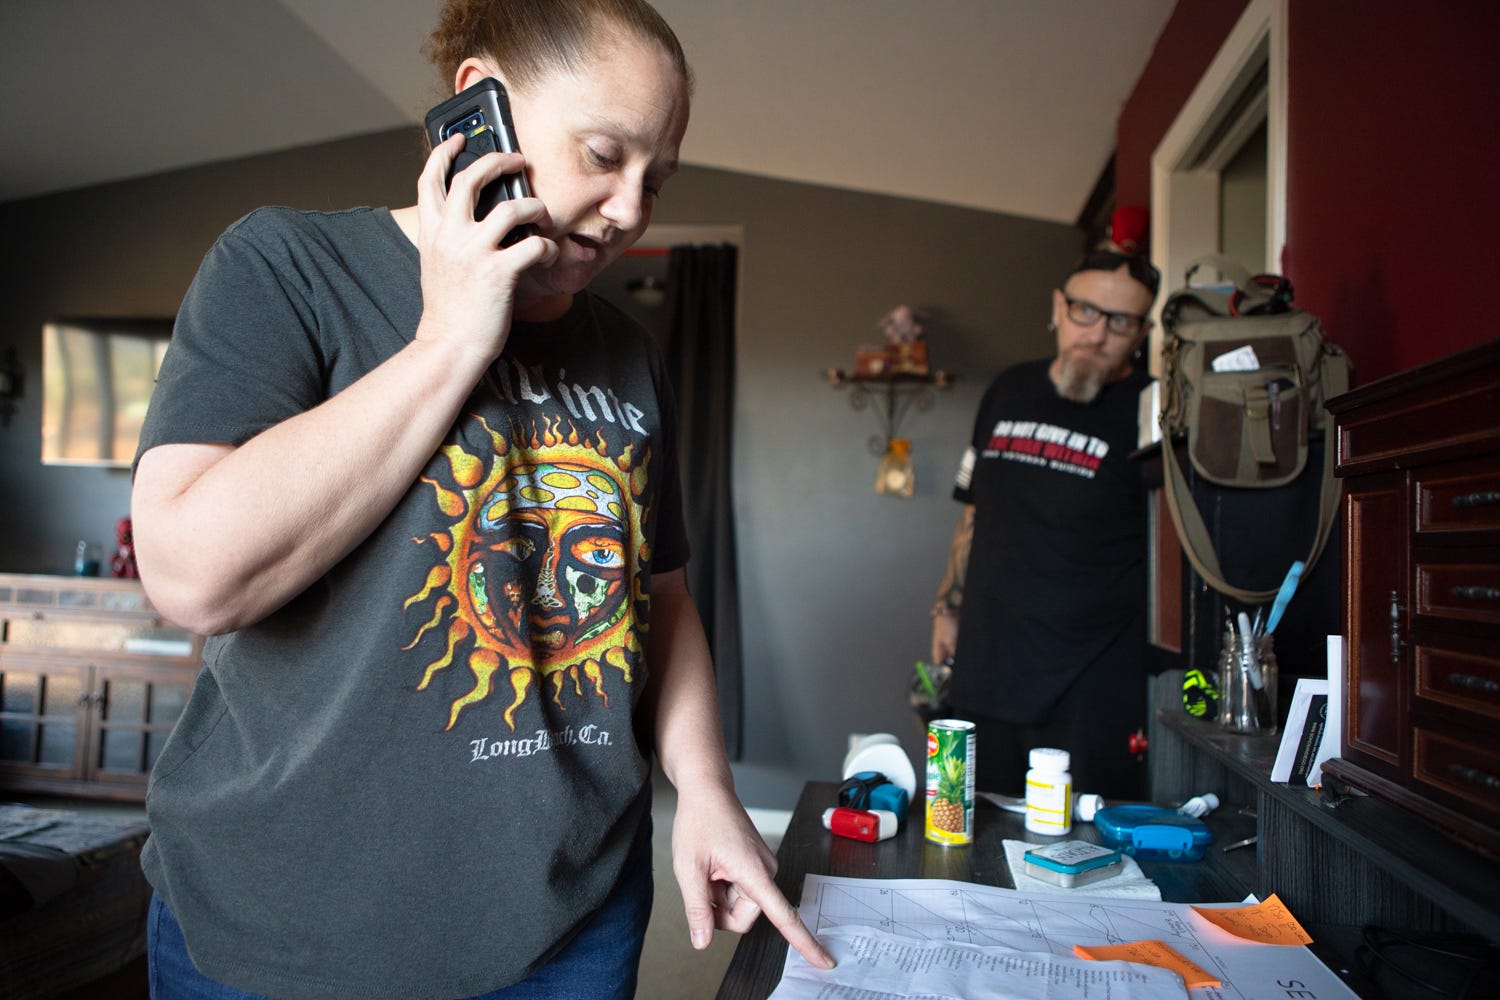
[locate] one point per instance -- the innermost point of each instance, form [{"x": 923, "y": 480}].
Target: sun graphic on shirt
[{"x": 537, "y": 587}]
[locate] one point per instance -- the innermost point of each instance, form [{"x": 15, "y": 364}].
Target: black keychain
[{"x": 854, "y": 793}]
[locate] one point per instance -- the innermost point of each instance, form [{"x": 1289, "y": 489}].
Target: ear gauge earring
[{"x": 1051, "y": 327}]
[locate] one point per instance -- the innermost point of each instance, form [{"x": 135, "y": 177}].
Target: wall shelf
[{"x": 890, "y": 397}]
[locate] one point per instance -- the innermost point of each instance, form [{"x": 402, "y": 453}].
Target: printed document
[
  {"x": 935, "y": 939},
  {"x": 875, "y": 965}
]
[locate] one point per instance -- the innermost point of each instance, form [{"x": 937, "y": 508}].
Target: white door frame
[
  {"x": 664, "y": 236},
  {"x": 1185, "y": 190}
]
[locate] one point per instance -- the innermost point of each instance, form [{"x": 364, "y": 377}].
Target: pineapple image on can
[{"x": 950, "y": 782}]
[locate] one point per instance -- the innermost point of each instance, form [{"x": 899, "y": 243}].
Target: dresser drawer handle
[
  {"x": 1472, "y": 682},
  {"x": 1476, "y": 593},
  {"x": 1396, "y": 642},
  {"x": 1484, "y": 498},
  {"x": 1474, "y": 775}
]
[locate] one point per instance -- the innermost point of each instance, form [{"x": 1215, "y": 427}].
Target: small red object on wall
[{"x": 1128, "y": 227}]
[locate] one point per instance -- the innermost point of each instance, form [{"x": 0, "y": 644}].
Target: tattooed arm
[{"x": 950, "y": 595}]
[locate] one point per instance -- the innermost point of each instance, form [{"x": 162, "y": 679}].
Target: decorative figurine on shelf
[
  {"x": 906, "y": 343},
  {"x": 122, "y": 563},
  {"x": 904, "y": 352},
  {"x": 903, "y": 325}
]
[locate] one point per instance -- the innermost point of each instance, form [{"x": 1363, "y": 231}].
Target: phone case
[{"x": 482, "y": 113}]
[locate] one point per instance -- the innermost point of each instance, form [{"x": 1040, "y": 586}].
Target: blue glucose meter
[{"x": 1151, "y": 833}]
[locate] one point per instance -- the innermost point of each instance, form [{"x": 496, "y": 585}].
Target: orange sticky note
[
  {"x": 1267, "y": 922},
  {"x": 1157, "y": 953}
]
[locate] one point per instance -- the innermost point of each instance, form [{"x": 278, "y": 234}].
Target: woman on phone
[{"x": 421, "y": 490}]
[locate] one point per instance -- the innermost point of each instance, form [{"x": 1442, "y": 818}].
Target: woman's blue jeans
[{"x": 600, "y": 963}]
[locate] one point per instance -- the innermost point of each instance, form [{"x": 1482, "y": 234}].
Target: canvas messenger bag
[{"x": 1244, "y": 378}]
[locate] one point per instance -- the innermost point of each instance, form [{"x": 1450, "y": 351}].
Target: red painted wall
[
  {"x": 1187, "y": 45},
  {"x": 1393, "y": 187}
]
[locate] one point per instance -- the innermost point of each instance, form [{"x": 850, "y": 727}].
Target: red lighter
[{"x": 861, "y": 824}]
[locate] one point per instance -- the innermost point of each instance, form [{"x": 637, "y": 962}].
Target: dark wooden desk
[{"x": 807, "y": 848}]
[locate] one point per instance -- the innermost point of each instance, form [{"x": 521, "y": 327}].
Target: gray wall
[
  {"x": 131, "y": 249},
  {"x": 835, "y": 580}
]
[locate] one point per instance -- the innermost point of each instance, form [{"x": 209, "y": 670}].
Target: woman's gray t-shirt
[{"x": 419, "y": 776}]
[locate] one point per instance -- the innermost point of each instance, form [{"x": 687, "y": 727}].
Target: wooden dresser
[
  {"x": 1419, "y": 453},
  {"x": 91, "y": 682}
]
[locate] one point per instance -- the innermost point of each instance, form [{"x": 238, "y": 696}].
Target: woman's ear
[{"x": 471, "y": 71}]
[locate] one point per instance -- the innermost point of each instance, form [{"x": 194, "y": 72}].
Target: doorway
[
  {"x": 1218, "y": 186},
  {"x": 1218, "y": 177},
  {"x": 680, "y": 283}
]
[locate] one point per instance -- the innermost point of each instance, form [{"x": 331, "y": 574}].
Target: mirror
[{"x": 97, "y": 377}]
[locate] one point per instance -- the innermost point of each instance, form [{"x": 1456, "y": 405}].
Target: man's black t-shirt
[{"x": 1055, "y": 589}]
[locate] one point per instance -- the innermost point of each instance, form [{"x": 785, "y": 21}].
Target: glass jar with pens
[
  {"x": 1247, "y": 664},
  {"x": 1247, "y": 678}
]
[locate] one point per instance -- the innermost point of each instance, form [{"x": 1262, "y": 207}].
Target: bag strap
[
  {"x": 1333, "y": 380},
  {"x": 1199, "y": 548}
]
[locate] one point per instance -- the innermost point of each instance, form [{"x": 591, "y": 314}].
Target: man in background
[{"x": 1042, "y": 604}]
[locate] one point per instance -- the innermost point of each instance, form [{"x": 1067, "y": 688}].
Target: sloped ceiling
[{"x": 1002, "y": 105}]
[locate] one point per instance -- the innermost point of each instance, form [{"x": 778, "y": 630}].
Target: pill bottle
[{"x": 1049, "y": 792}]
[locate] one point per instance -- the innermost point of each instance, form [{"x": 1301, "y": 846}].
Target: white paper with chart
[{"x": 920, "y": 937}]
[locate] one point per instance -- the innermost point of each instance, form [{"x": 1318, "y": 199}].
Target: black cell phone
[{"x": 482, "y": 114}]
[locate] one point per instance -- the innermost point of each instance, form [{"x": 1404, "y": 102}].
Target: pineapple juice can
[{"x": 950, "y": 782}]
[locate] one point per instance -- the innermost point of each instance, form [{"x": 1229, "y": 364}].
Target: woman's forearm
[
  {"x": 224, "y": 536},
  {"x": 684, "y": 699}
]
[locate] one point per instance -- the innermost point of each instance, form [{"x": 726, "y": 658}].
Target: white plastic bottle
[{"x": 1049, "y": 792}]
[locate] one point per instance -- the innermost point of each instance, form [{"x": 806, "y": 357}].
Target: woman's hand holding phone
[
  {"x": 469, "y": 279},
  {"x": 482, "y": 114}
]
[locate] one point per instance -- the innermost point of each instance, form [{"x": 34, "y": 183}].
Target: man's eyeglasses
[{"x": 1085, "y": 313}]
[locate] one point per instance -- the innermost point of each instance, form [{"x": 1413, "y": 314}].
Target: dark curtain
[{"x": 699, "y": 352}]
